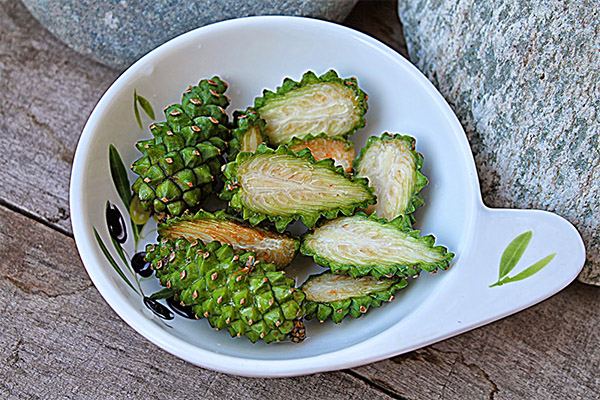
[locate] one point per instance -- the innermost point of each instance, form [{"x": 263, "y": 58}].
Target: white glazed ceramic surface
[{"x": 256, "y": 53}]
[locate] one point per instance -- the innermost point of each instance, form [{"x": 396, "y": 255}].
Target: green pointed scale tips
[
  {"x": 248, "y": 133},
  {"x": 283, "y": 186},
  {"x": 179, "y": 164},
  {"x": 335, "y": 296},
  {"x": 322, "y": 146},
  {"x": 393, "y": 168},
  {"x": 360, "y": 245},
  {"x": 233, "y": 291},
  {"x": 272, "y": 247},
  {"x": 316, "y": 104},
  {"x": 207, "y": 99}
]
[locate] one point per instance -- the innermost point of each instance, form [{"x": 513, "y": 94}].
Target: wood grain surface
[{"x": 60, "y": 340}]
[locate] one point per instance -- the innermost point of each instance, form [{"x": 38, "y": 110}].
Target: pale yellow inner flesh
[
  {"x": 251, "y": 140},
  {"x": 341, "y": 152},
  {"x": 330, "y": 287},
  {"x": 271, "y": 247},
  {"x": 284, "y": 185},
  {"x": 359, "y": 241},
  {"x": 390, "y": 167},
  {"x": 320, "y": 107}
]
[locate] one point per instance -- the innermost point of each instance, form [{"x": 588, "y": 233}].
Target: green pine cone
[
  {"x": 284, "y": 186},
  {"x": 272, "y": 247},
  {"x": 335, "y": 296},
  {"x": 316, "y": 104},
  {"x": 393, "y": 168},
  {"x": 179, "y": 164},
  {"x": 233, "y": 291},
  {"x": 360, "y": 245},
  {"x": 247, "y": 134},
  {"x": 206, "y": 99}
]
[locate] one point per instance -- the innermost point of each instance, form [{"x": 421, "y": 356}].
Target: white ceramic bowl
[{"x": 256, "y": 53}]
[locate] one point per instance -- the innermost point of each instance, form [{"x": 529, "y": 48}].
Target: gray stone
[
  {"x": 524, "y": 79},
  {"x": 118, "y": 32}
]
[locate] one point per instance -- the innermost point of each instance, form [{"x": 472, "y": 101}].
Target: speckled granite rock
[
  {"x": 118, "y": 32},
  {"x": 524, "y": 79}
]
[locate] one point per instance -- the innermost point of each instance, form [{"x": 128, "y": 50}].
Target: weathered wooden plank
[
  {"x": 59, "y": 339},
  {"x": 47, "y": 94},
  {"x": 379, "y": 19},
  {"x": 549, "y": 351}
]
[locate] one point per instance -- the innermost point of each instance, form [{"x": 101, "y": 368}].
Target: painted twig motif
[{"x": 511, "y": 256}]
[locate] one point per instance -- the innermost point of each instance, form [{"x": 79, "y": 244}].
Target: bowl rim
[{"x": 350, "y": 356}]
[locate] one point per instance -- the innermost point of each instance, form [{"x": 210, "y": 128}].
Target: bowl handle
[
  {"x": 473, "y": 292},
  {"x": 515, "y": 258}
]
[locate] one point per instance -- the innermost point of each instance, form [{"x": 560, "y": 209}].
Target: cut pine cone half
[
  {"x": 393, "y": 168},
  {"x": 248, "y": 133},
  {"x": 272, "y": 247},
  {"x": 335, "y": 296},
  {"x": 282, "y": 186},
  {"x": 316, "y": 104},
  {"x": 322, "y": 147},
  {"x": 361, "y": 245}
]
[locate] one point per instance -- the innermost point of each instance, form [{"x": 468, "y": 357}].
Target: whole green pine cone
[
  {"x": 179, "y": 166},
  {"x": 233, "y": 291}
]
